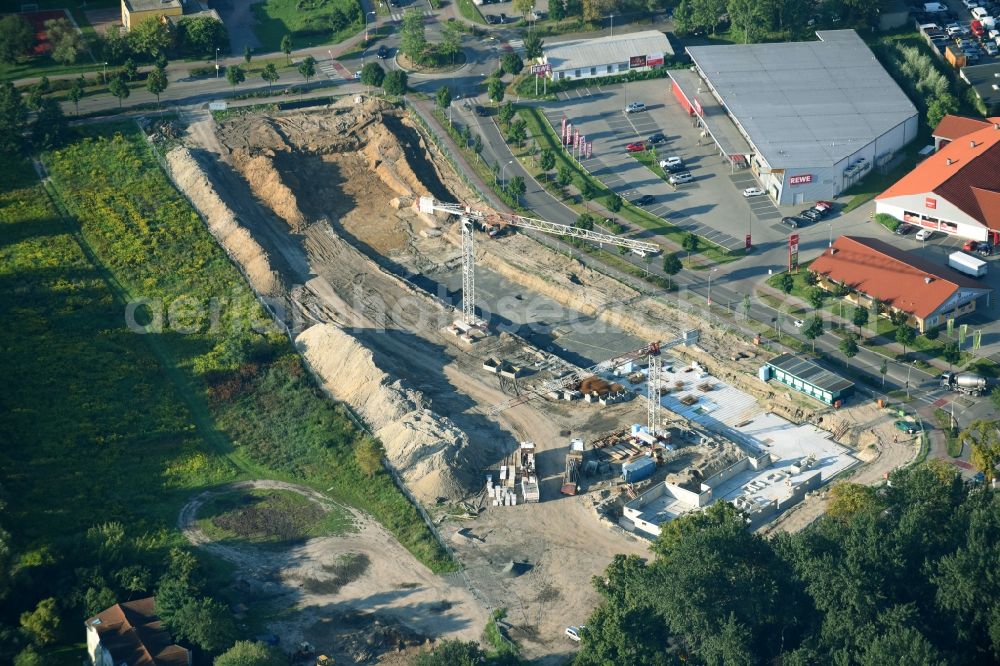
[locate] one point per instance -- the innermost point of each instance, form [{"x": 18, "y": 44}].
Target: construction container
[
  {"x": 764, "y": 373},
  {"x": 639, "y": 469}
]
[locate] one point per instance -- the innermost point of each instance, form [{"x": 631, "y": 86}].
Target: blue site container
[{"x": 639, "y": 469}]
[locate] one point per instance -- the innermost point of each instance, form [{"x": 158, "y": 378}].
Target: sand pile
[
  {"x": 388, "y": 160},
  {"x": 266, "y": 183},
  {"x": 222, "y": 222},
  {"x": 428, "y": 450}
]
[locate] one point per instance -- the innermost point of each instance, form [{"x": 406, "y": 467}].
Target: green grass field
[
  {"x": 249, "y": 390},
  {"x": 269, "y": 516},
  {"x": 308, "y": 21}
]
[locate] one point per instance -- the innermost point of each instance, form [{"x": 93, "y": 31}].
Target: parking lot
[
  {"x": 980, "y": 43},
  {"x": 712, "y": 205},
  {"x": 503, "y": 12}
]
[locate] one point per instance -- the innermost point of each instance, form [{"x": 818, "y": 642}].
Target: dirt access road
[{"x": 394, "y": 586}]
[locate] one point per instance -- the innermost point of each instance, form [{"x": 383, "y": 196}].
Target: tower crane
[{"x": 498, "y": 221}]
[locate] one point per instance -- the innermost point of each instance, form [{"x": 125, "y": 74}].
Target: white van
[
  {"x": 934, "y": 7},
  {"x": 979, "y": 13}
]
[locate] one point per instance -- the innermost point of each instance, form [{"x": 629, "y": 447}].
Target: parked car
[
  {"x": 681, "y": 178},
  {"x": 811, "y": 214},
  {"x": 792, "y": 221},
  {"x": 675, "y": 168},
  {"x": 752, "y": 192},
  {"x": 979, "y": 13},
  {"x": 574, "y": 633},
  {"x": 506, "y": 19},
  {"x": 636, "y": 147},
  {"x": 903, "y": 228},
  {"x": 482, "y": 111},
  {"x": 977, "y": 29},
  {"x": 492, "y": 19},
  {"x": 644, "y": 200},
  {"x": 670, "y": 161},
  {"x": 825, "y": 206},
  {"x": 798, "y": 323},
  {"x": 991, "y": 48},
  {"x": 635, "y": 107},
  {"x": 906, "y": 426},
  {"x": 382, "y": 52},
  {"x": 924, "y": 234},
  {"x": 656, "y": 138},
  {"x": 970, "y": 4}
]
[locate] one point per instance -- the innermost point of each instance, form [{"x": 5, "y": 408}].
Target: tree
[
  {"x": 939, "y": 107},
  {"x": 511, "y": 63},
  {"x": 115, "y": 46},
  {"x": 372, "y": 74},
  {"x": 369, "y": 456},
  {"x": 506, "y": 113},
  {"x": 477, "y": 146},
  {"x": 898, "y": 317},
  {"x": 786, "y": 282},
  {"x": 66, "y": 40},
  {"x": 584, "y": 221},
  {"x": 587, "y": 189},
  {"x": 517, "y": 132},
  {"x": 984, "y": 440},
  {"x": 516, "y": 187},
  {"x": 247, "y": 54},
  {"x": 671, "y": 266},
  {"x": 130, "y": 70},
  {"x": 810, "y": 278},
  {"x": 156, "y": 82},
  {"x": 76, "y": 92},
  {"x": 614, "y": 202},
  {"x": 813, "y": 330},
  {"x": 451, "y": 40},
  {"x": 443, "y": 97},
  {"x": 204, "y": 622},
  {"x": 286, "y": 48},
  {"x": 523, "y": 7},
  {"x": 495, "y": 90},
  {"x": 150, "y": 36},
  {"x": 452, "y": 653},
  {"x": 270, "y": 74},
  {"x": 690, "y": 243},
  {"x": 307, "y": 68},
  {"x": 905, "y": 336},
  {"x": 860, "y": 317},
  {"x": 849, "y": 347},
  {"x": 160, "y": 62},
  {"x": 395, "y": 82},
  {"x": 557, "y": 10},
  {"x": 749, "y": 17},
  {"x": 533, "y": 45},
  {"x": 43, "y": 622},
  {"x": 951, "y": 353},
  {"x": 37, "y": 93},
  {"x": 235, "y": 75},
  {"x": 246, "y": 653},
  {"x": 565, "y": 176},
  {"x": 201, "y": 36},
  {"x": 16, "y": 38},
  {"x": 412, "y": 40},
  {"x": 547, "y": 160},
  {"x": 816, "y": 297},
  {"x": 29, "y": 657},
  {"x": 49, "y": 129},
  {"x": 119, "y": 88}
]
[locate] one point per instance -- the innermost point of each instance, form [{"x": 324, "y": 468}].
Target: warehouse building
[
  {"x": 607, "y": 56},
  {"x": 815, "y": 117},
  {"x": 956, "y": 190},
  {"x": 928, "y": 292},
  {"x": 135, "y": 12},
  {"x": 807, "y": 377}
]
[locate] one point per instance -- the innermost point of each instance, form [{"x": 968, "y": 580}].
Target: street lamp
[
  {"x": 710, "y": 286},
  {"x": 909, "y": 367},
  {"x": 105, "y": 73},
  {"x": 831, "y": 234},
  {"x": 612, "y": 17},
  {"x": 503, "y": 182},
  {"x": 366, "y": 25},
  {"x": 216, "y": 63}
]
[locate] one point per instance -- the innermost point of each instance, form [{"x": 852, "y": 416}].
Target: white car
[
  {"x": 670, "y": 161},
  {"x": 753, "y": 192},
  {"x": 924, "y": 234},
  {"x": 970, "y": 4},
  {"x": 798, "y": 323},
  {"x": 635, "y": 107},
  {"x": 979, "y": 13},
  {"x": 574, "y": 633}
]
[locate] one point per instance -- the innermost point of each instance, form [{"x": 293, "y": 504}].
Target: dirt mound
[
  {"x": 430, "y": 452},
  {"x": 388, "y": 160},
  {"x": 264, "y": 179},
  {"x": 222, "y": 222}
]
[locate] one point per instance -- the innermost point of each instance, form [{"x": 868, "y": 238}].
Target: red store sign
[
  {"x": 930, "y": 202},
  {"x": 800, "y": 180}
]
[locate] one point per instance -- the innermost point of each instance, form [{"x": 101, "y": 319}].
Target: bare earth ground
[{"x": 315, "y": 191}]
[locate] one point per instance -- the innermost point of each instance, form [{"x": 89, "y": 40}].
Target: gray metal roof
[
  {"x": 581, "y": 53},
  {"x": 983, "y": 78},
  {"x": 810, "y": 373},
  {"x": 152, "y": 5},
  {"x": 806, "y": 104}
]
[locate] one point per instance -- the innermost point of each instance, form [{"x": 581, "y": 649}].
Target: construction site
[{"x": 546, "y": 416}]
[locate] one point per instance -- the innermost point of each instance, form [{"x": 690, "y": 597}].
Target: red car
[
  {"x": 824, "y": 205},
  {"x": 977, "y": 29},
  {"x": 636, "y": 147},
  {"x": 970, "y": 246}
]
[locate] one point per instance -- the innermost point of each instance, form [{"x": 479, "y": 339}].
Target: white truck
[{"x": 964, "y": 263}]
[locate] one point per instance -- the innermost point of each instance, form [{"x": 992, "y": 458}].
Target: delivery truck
[{"x": 966, "y": 263}]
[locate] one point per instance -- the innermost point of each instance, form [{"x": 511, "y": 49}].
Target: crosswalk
[
  {"x": 334, "y": 70},
  {"x": 515, "y": 45},
  {"x": 398, "y": 16}
]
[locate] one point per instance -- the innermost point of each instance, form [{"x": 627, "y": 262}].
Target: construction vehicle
[
  {"x": 571, "y": 477},
  {"x": 968, "y": 383}
]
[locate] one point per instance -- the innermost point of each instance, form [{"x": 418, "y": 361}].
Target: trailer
[
  {"x": 966, "y": 263},
  {"x": 571, "y": 477}
]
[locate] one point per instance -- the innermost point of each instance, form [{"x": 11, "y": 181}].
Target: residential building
[
  {"x": 928, "y": 292},
  {"x": 131, "y": 634},
  {"x": 814, "y": 117},
  {"x": 607, "y": 56},
  {"x": 956, "y": 190},
  {"x": 135, "y": 12}
]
